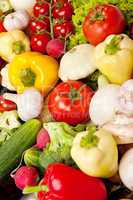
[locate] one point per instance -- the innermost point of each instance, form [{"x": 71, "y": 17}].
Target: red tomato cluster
[{"x": 40, "y": 28}]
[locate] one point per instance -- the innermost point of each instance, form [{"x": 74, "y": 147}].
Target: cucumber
[{"x": 12, "y": 150}]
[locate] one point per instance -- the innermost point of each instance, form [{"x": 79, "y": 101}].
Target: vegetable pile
[{"x": 66, "y": 101}]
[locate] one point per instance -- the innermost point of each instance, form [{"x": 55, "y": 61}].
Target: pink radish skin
[
  {"x": 55, "y": 48},
  {"x": 26, "y": 176},
  {"x": 42, "y": 139}
]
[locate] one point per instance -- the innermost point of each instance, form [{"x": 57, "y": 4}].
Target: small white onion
[
  {"x": 104, "y": 104},
  {"x": 126, "y": 169}
]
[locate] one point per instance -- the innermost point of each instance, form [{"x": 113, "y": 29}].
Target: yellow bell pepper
[
  {"x": 114, "y": 58},
  {"x": 31, "y": 69},
  {"x": 13, "y": 43},
  {"x": 95, "y": 153}
]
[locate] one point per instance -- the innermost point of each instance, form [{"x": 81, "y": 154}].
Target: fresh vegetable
[
  {"x": 64, "y": 29},
  {"x": 5, "y": 6},
  {"x": 55, "y": 48},
  {"x": 33, "y": 69},
  {"x": 102, "y": 21},
  {"x": 39, "y": 26},
  {"x": 63, "y": 182},
  {"x": 5, "y": 78},
  {"x": 64, "y": 11},
  {"x": 95, "y": 153},
  {"x": 6, "y": 105},
  {"x": 121, "y": 127},
  {"x": 29, "y": 103},
  {"x": 43, "y": 139},
  {"x": 12, "y": 149},
  {"x": 26, "y": 176},
  {"x": 39, "y": 42},
  {"x": 27, "y": 5},
  {"x": 61, "y": 138},
  {"x": 125, "y": 98},
  {"x": 104, "y": 104},
  {"x": 41, "y": 9},
  {"x": 81, "y": 8},
  {"x": 77, "y": 63},
  {"x": 69, "y": 102},
  {"x": 114, "y": 59},
  {"x": 9, "y": 120},
  {"x": 31, "y": 157},
  {"x": 13, "y": 43},
  {"x": 126, "y": 168},
  {"x": 17, "y": 20},
  {"x": 2, "y": 29}
]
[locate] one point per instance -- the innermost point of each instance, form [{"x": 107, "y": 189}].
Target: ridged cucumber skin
[{"x": 12, "y": 150}]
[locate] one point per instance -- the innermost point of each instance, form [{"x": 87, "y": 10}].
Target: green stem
[
  {"x": 34, "y": 189},
  {"x": 114, "y": 46},
  {"x": 90, "y": 140},
  {"x": 18, "y": 47},
  {"x": 27, "y": 77},
  {"x": 51, "y": 19}
]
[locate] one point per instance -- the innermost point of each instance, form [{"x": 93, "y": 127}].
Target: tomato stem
[{"x": 51, "y": 19}]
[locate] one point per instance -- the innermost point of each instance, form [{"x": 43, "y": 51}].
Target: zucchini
[{"x": 12, "y": 150}]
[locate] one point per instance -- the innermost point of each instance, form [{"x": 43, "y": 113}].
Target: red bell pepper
[{"x": 65, "y": 183}]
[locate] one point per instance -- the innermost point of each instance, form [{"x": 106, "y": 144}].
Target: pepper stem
[
  {"x": 90, "y": 140},
  {"x": 27, "y": 77},
  {"x": 18, "y": 47},
  {"x": 34, "y": 189},
  {"x": 113, "y": 46}
]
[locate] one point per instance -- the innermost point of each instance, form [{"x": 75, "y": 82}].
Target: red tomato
[
  {"x": 41, "y": 9},
  {"x": 63, "y": 12},
  {"x": 37, "y": 25},
  {"x": 2, "y": 29},
  {"x": 39, "y": 42},
  {"x": 6, "y": 105},
  {"x": 69, "y": 102},
  {"x": 102, "y": 21},
  {"x": 63, "y": 30},
  {"x": 59, "y": 2}
]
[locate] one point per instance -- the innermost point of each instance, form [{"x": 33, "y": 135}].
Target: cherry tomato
[
  {"x": 37, "y": 25},
  {"x": 69, "y": 102},
  {"x": 102, "y": 21},
  {"x": 63, "y": 30},
  {"x": 39, "y": 42},
  {"x": 63, "y": 12},
  {"x": 59, "y": 2},
  {"x": 41, "y": 9},
  {"x": 2, "y": 29},
  {"x": 6, "y": 105}
]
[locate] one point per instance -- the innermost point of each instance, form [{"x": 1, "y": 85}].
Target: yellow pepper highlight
[{"x": 31, "y": 69}]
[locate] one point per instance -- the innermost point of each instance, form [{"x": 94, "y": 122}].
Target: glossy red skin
[
  {"x": 62, "y": 108},
  {"x": 113, "y": 23},
  {"x": 2, "y": 29},
  {"x": 67, "y": 183},
  {"x": 39, "y": 42},
  {"x": 26, "y": 176},
  {"x": 63, "y": 30},
  {"x": 63, "y": 12},
  {"x": 41, "y": 9},
  {"x": 37, "y": 25},
  {"x": 6, "y": 105}
]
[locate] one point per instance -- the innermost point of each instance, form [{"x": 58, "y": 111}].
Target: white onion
[
  {"x": 126, "y": 97},
  {"x": 126, "y": 169},
  {"x": 104, "y": 104}
]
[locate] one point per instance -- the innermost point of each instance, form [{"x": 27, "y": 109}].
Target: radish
[
  {"x": 55, "y": 48},
  {"x": 42, "y": 139},
  {"x": 26, "y": 176}
]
